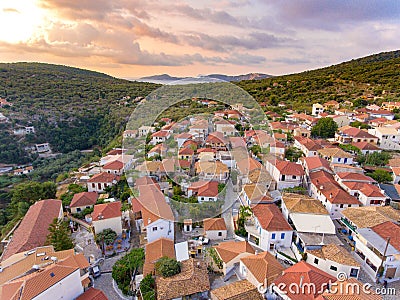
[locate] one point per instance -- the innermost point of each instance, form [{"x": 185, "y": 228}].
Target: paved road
[{"x": 230, "y": 197}]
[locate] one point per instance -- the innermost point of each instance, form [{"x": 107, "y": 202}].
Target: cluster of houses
[{"x": 308, "y": 222}]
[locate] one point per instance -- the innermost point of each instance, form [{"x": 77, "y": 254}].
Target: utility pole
[{"x": 384, "y": 255}]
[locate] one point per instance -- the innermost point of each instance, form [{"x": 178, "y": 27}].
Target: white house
[
  {"x": 376, "y": 245},
  {"x": 182, "y": 137},
  {"x": 231, "y": 252},
  {"x": 367, "y": 193},
  {"x": 204, "y": 190},
  {"x": 260, "y": 269},
  {"x": 212, "y": 170},
  {"x": 107, "y": 215},
  {"x": 160, "y": 137},
  {"x": 334, "y": 259},
  {"x": 114, "y": 167},
  {"x": 100, "y": 181},
  {"x": 83, "y": 200},
  {"x": 307, "y": 146},
  {"x": 317, "y": 109},
  {"x": 158, "y": 219},
  {"x": 215, "y": 228},
  {"x": 324, "y": 188},
  {"x": 336, "y": 156},
  {"x": 285, "y": 173},
  {"x": 389, "y": 137},
  {"x": 268, "y": 229},
  {"x": 144, "y": 130}
]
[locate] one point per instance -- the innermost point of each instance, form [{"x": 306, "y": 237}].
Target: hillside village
[{"x": 320, "y": 216}]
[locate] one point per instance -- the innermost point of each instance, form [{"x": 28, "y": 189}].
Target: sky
[{"x": 134, "y": 38}]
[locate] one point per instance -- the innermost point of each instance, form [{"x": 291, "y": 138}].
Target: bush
[
  {"x": 147, "y": 286},
  {"x": 167, "y": 267},
  {"x": 107, "y": 235}
]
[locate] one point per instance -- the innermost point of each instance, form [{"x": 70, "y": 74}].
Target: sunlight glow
[{"x": 19, "y": 20}]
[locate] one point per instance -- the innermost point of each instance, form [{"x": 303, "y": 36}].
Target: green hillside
[
  {"x": 70, "y": 108},
  {"x": 372, "y": 76}
]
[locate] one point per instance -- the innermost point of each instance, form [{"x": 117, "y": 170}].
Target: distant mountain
[{"x": 165, "y": 78}]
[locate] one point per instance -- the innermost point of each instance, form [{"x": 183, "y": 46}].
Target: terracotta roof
[
  {"x": 33, "y": 230},
  {"x": 350, "y": 176},
  {"x": 308, "y": 143},
  {"x": 351, "y": 289},
  {"x": 155, "y": 250},
  {"x": 289, "y": 168},
  {"x": 334, "y": 193},
  {"x": 365, "y": 146},
  {"x": 144, "y": 181},
  {"x": 297, "y": 203},
  {"x": 136, "y": 206},
  {"x": 162, "y": 133},
  {"x": 107, "y": 211},
  {"x": 212, "y": 167},
  {"x": 114, "y": 165},
  {"x": 115, "y": 152},
  {"x": 259, "y": 176},
  {"x": 358, "y": 133},
  {"x": 186, "y": 151},
  {"x": 229, "y": 250},
  {"x": 154, "y": 205},
  {"x": 389, "y": 230},
  {"x": 77, "y": 260},
  {"x": 200, "y": 150},
  {"x": 216, "y": 138},
  {"x": 307, "y": 274},
  {"x": 270, "y": 217},
  {"x": 367, "y": 189},
  {"x": 334, "y": 152},
  {"x": 238, "y": 290},
  {"x": 369, "y": 216},
  {"x": 104, "y": 177},
  {"x": 335, "y": 253},
  {"x": 30, "y": 286},
  {"x": 248, "y": 164},
  {"x": 92, "y": 294},
  {"x": 214, "y": 224},
  {"x": 184, "y": 135},
  {"x": 192, "y": 279},
  {"x": 264, "y": 267},
  {"x": 315, "y": 162},
  {"x": 84, "y": 199}
]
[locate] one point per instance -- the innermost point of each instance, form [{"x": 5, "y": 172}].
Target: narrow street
[{"x": 231, "y": 198}]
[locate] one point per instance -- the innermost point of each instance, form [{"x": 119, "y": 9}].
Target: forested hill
[
  {"x": 70, "y": 108},
  {"x": 375, "y": 77}
]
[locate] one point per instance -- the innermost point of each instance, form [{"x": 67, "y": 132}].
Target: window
[
  {"x": 339, "y": 159},
  {"x": 154, "y": 228},
  {"x": 345, "y": 160},
  {"x": 282, "y": 236},
  {"x": 93, "y": 185},
  {"x": 341, "y": 205},
  {"x": 293, "y": 177},
  {"x": 353, "y": 272},
  {"x": 273, "y": 236},
  {"x": 202, "y": 198},
  {"x": 283, "y": 178},
  {"x": 316, "y": 260},
  {"x": 219, "y": 233},
  {"x": 333, "y": 268},
  {"x": 78, "y": 209}
]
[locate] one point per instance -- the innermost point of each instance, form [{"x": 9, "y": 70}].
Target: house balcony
[{"x": 252, "y": 229}]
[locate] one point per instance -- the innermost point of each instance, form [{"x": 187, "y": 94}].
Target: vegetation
[
  {"x": 293, "y": 154},
  {"x": 72, "y": 109},
  {"x": 381, "y": 176},
  {"x": 297, "y": 190},
  {"x": 325, "y": 128},
  {"x": 167, "y": 267},
  {"x": 123, "y": 269},
  {"x": 107, "y": 236},
  {"x": 244, "y": 213},
  {"x": 360, "y": 125},
  {"x": 374, "y": 75},
  {"x": 59, "y": 236},
  {"x": 211, "y": 252},
  {"x": 147, "y": 287},
  {"x": 73, "y": 189},
  {"x": 350, "y": 148},
  {"x": 374, "y": 159}
]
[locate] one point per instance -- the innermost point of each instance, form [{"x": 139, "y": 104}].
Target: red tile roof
[
  {"x": 214, "y": 224},
  {"x": 114, "y": 165},
  {"x": 316, "y": 162},
  {"x": 155, "y": 250},
  {"x": 358, "y": 133},
  {"x": 104, "y": 177},
  {"x": 205, "y": 188},
  {"x": 154, "y": 205},
  {"x": 84, "y": 199},
  {"x": 144, "y": 181},
  {"x": 264, "y": 267},
  {"x": 92, "y": 294},
  {"x": 365, "y": 146},
  {"x": 270, "y": 217},
  {"x": 389, "y": 230},
  {"x": 349, "y": 176},
  {"x": 106, "y": 211},
  {"x": 161, "y": 133},
  {"x": 34, "y": 228},
  {"x": 186, "y": 151},
  {"x": 229, "y": 250},
  {"x": 289, "y": 168},
  {"x": 304, "y": 273}
]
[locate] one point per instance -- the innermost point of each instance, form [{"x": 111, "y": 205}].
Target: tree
[
  {"x": 107, "y": 235},
  {"x": 33, "y": 191},
  {"x": 59, "y": 236},
  {"x": 167, "y": 267},
  {"x": 123, "y": 269},
  {"x": 73, "y": 189},
  {"x": 147, "y": 287},
  {"x": 381, "y": 176},
  {"x": 325, "y": 128},
  {"x": 293, "y": 154}
]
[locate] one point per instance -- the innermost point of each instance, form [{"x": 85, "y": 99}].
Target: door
[{"x": 390, "y": 272}]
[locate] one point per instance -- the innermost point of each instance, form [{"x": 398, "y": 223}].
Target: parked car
[{"x": 95, "y": 271}]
